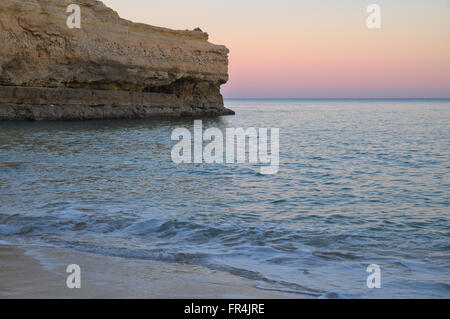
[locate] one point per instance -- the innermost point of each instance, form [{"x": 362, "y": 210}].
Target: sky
[{"x": 317, "y": 49}]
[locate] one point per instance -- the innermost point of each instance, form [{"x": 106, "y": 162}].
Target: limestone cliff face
[{"x": 149, "y": 68}]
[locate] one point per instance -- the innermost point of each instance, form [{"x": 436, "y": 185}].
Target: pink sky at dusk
[{"x": 312, "y": 49}]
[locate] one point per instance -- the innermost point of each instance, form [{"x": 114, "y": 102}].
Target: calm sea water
[{"x": 360, "y": 182}]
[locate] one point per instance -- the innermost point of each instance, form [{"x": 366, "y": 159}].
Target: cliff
[{"x": 109, "y": 68}]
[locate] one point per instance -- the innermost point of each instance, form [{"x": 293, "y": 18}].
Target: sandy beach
[{"x": 39, "y": 272}]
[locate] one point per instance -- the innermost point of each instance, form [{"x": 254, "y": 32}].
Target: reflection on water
[{"x": 360, "y": 182}]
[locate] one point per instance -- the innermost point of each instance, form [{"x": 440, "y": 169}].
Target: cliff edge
[{"x": 109, "y": 68}]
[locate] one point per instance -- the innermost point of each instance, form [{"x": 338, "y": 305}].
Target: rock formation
[{"x": 109, "y": 68}]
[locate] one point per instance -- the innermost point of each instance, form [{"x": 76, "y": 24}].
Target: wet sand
[{"x": 40, "y": 272}]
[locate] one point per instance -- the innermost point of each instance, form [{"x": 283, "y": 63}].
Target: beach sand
[{"x": 40, "y": 272}]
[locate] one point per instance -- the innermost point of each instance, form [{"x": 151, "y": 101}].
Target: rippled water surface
[{"x": 360, "y": 182}]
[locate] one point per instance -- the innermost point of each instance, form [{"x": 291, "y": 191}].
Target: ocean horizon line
[{"x": 340, "y": 99}]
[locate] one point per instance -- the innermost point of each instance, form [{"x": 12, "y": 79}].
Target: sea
[{"x": 361, "y": 184}]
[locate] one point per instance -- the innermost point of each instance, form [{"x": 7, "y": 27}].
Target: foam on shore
[{"x": 40, "y": 272}]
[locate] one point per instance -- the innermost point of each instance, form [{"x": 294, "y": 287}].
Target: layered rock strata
[{"x": 109, "y": 68}]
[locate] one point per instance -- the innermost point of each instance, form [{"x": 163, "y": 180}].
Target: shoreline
[{"x": 35, "y": 272}]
